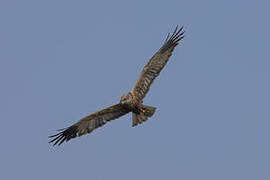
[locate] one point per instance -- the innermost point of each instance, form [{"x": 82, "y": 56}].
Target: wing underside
[
  {"x": 157, "y": 63},
  {"x": 89, "y": 123}
]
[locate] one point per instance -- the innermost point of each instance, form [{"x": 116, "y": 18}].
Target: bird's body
[{"x": 130, "y": 102}]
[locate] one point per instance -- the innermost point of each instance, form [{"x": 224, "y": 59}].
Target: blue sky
[{"x": 61, "y": 60}]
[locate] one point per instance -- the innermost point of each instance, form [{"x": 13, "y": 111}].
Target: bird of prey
[{"x": 130, "y": 102}]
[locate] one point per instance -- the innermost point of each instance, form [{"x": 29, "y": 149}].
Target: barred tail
[{"x": 148, "y": 111}]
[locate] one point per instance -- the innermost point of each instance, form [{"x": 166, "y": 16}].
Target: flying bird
[{"x": 130, "y": 102}]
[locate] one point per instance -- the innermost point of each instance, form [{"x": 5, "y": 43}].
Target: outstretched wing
[
  {"x": 157, "y": 63},
  {"x": 89, "y": 123}
]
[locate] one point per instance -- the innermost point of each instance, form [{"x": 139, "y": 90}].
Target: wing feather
[
  {"x": 89, "y": 123},
  {"x": 157, "y": 63}
]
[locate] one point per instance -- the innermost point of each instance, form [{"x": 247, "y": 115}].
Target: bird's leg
[
  {"x": 143, "y": 110},
  {"x": 136, "y": 110}
]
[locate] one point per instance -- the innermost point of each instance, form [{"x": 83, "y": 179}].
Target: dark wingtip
[
  {"x": 174, "y": 39},
  {"x": 65, "y": 135}
]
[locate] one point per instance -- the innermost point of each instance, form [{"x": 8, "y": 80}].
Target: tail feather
[
  {"x": 148, "y": 111},
  {"x": 138, "y": 119}
]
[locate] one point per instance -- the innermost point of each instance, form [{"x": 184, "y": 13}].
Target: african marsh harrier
[{"x": 130, "y": 102}]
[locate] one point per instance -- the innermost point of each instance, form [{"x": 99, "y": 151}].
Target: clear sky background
[{"x": 61, "y": 60}]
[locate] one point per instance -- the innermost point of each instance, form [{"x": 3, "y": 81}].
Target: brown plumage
[{"x": 131, "y": 102}]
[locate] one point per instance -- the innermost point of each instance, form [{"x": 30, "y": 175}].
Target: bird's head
[{"x": 126, "y": 99}]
